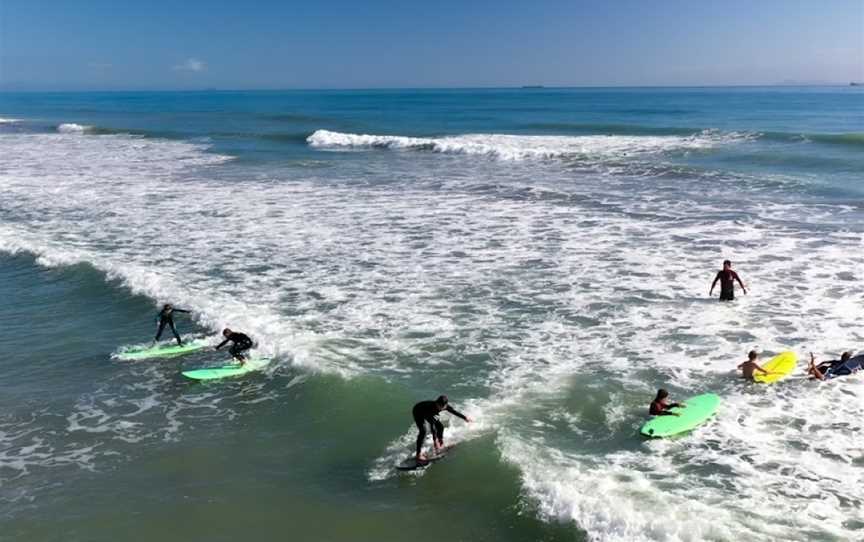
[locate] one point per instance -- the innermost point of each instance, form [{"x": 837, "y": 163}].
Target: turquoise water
[{"x": 542, "y": 256}]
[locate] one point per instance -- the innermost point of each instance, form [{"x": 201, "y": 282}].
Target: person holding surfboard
[
  {"x": 166, "y": 318},
  {"x": 748, "y": 368},
  {"x": 659, "y": 407},
  {"x": 727, "y": 279},
  {"x": 240, "y": 342},
  {"x": 821, "y": 370},
  {"x": 427, "y": 412}
]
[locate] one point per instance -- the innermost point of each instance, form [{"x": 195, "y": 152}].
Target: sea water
[{"x": 542, "y": 256}]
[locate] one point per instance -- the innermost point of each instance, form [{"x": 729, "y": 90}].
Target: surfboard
[
  {"x": 782, "y": 364},
  {"x": 162, "y": 350},
  {"x": 695, "y": 412},
  {"x": 226, "y": 371},
  {"x": 411, "y": 463},
  {"x": 851, "y": 366}
]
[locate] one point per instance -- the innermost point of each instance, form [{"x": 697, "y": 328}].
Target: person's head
[
  {"x": 727, "y": 265},
  {"x": 441, "y": 402},
  {"x": 845, "y": 356},
  {"x": 753, "y": 355},
  {"x": 226, "y": 332},
  {"x": 661, "y": 394},
  {"x": 167, "y": 307}
]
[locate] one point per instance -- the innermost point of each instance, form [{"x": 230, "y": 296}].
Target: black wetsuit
[
  {"x": 727, "y": 284},
  {"x": 166, "y": 317},
  {"x": 427, "y": 412},
  {"x": 241, "y": 343}
]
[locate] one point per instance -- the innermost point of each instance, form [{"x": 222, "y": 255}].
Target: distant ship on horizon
[{"x": 856, "y": 84}]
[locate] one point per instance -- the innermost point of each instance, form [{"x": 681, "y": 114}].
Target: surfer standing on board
[
  {"x": 659, "y": 407},
  {"x": 166, "y": 318},
  {"x": 240, "y": 343},
  {"x": 427, "y": 412},
  {"x": 727, "y": 279}
]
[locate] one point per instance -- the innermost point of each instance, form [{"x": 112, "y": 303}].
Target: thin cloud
[{"x": 191, "y": 65}]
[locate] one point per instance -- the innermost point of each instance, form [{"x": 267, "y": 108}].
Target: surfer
[
  {"x": 821, "y": 370},
  {"x": 166, "y": 318},
  {"x": 240, "y": 342},
  {"x": 427, "y": 412},
  {"x": 749, "y": 367},
  {"x": 659, "y": 407},
  {"x": 727, "y": 279}
]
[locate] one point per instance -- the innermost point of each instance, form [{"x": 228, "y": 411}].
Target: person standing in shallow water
[{"x": 727, "y": 279}]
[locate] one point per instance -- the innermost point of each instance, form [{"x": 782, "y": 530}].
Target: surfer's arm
[
  {"x": 182, "y": 310},
  {"x": 740, "y": 283},
  {"x": 713, "y": 284},
  {"x": 456, "y": 413},
  {"x": 223, "y": 343}
]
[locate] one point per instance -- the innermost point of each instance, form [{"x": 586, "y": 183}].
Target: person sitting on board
[
  {"x": 727, "y": 279},
  {"x": 659, "y": 407},
  {"x": 820, "y": 371},
  {"x": 427, "y": 412},
  {"x": 166, "y": 318},
  {"x": 749, "y": 367},
  {"x": 240, "y": 343}
]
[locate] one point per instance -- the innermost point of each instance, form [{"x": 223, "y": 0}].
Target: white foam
[
  {"x": 517, "y": 147},
  {"x": 72, "y": 128},
  {"x": 9, "y": 121}
]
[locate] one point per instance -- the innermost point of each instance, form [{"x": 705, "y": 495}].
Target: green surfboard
[
  {"x": 225, "y": 371},
  {"x": 164, "y": 350},
  {"x": 696, "y": 411}
]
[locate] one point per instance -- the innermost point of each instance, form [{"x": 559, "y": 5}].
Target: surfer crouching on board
[
  {"x": 240, "y": 343},
  {"x": 659, "y": 407},
  {"x": 427, "y": 412},
  {"x": 166, "y": 318},
  {"x": 727, "y": 279},
  {"x": 821, "y": 370}
]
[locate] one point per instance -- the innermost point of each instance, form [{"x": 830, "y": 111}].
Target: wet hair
[
  {"x": 226, "y": 331},
  {"x": 727, "y": 262},
  {"x": 752, "y": 355},
  {"x": 442, "y": 400},
  {"x": 845, "y": 356},
  {"x": 661, "y": 394},
  {"x": 166, "y": 306}
]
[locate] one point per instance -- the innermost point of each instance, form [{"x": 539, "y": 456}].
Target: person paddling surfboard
[
  {"x": 240, "y": 342},
  {"x": 820, "y": 371},
  {"x": 427, "y": 412},
  {"x": 166, "y": 318}
]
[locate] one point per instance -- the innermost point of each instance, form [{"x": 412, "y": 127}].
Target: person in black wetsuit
[
  {"x": 727, "y": 279},
  {"x": 166, "y": 318},
  {"x": 427, "y": 412},
  {"x": 240, "y": 342},
  {"x": 820, "y": 371}
]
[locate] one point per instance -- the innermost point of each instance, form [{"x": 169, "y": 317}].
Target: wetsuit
[
  {"x": 240, "y": 343},
  {"x": 659, "y": 408},
  {"x": 727, "y": 284},
  {"x": 166, "y": 317},
  {"x": 427, "y": 412}
]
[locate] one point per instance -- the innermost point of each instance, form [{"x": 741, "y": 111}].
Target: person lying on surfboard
[
  {"x": 819, "y": 371},
  {"x": 427, "y": 412},
  {"x": 749, "y": 367},
  {"x": 166, "y": 318},
  {"x": 659, "y": 407},
  {"x": 240, "y": 342},
  {"x": 727, "y": 279}
]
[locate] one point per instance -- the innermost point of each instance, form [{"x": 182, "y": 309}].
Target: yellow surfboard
[{"x": 781, "y": 364}]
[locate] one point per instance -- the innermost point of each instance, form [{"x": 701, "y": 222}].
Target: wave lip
[
  {"x": 72, "y": 128},
  {"x": 9, "y": 121},
  {"x": 520, "y": 147}
]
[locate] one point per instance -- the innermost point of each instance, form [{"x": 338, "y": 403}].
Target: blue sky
[{"x": 95, "y": 44}]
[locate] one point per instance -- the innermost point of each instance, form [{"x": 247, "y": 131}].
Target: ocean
[{"x": 541, "y": 256}]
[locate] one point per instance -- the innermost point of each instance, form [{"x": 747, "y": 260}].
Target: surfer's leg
[
  {"x": 174, "y": 331},
  {"x": 161, "y": 329},
  {"x": 421, "y": 436},
  {"x": 438, "y": 433}
]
